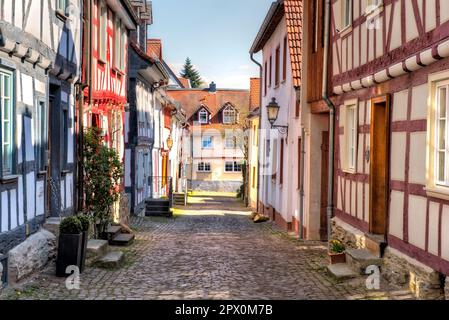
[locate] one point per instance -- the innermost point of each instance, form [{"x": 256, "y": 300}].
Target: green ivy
[{"x": 102, "y": 173}]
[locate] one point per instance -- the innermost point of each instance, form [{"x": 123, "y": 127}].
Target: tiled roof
[
  {"x": 154, "y": 48},
  {"x": 293, "y": 18},
  {"x": 254, "y": 93},
  {"x": 292, "y": 10},
  {"x": 192, "y": 99},
  {"x": 185, "y": 82}
]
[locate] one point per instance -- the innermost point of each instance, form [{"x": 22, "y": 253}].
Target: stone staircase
[
  {"x": 99, "y": 254},
  {"x": 116, "y": 236},
  {"x": 158, "y": 208},
  {"x": 179, "y": 199},
  {"x": 357, "y": 260}
]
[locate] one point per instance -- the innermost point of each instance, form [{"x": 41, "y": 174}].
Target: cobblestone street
[{"x": 210, "y": 250}]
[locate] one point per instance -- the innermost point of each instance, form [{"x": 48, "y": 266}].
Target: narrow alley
[{"x": 209, "y": 250}]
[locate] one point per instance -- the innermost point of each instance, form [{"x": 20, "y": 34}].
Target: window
[
  {"x": 119, "y": 45},
  {"x": 351, "y": 137},
  {"x": 346, "y": 14},
  {"x": 265, "y": 78},
  {"x": 254, "y": 178},
  {"x": 372, "y": 5},
  {"x": 6, "y": 116},
  {"x": 284, "y": 59},
  {"x": 102, "y": 37},
  {"x": 203, "y": 116},
  {"x": 206, "y": 142},
  {"x": 274, "y": 160},
  {"x": 315, "y": 26},
  {"x": 62, "y": 5},
  {"x": 203, "y": 167},
  {"x": 270, "y": 72},
  {"x": 230, "y": 143},
  {"x": 41, "y": 136},
  {"x": 229, "y": 115},
  {"x": 64, "y": 138},
  {"x": 233, "y": 166},
  {"x": 442, "y": 136},
  {"x": 276, "y": 67}
]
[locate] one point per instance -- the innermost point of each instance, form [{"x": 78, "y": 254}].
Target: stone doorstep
[
  {"x": 96, "y": 249},
  {"x": 360, "y": 259},
  {"x": 375, "y": 244},
  {"x": 52, "y": 225},
  {"x": 341, "y": 271},
  {"x": 113, "y": 259},
  {"x": 122, "y": 239}
]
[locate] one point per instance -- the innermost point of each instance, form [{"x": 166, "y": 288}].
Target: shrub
[
  {"x": 336, "y": 246},
  {"x": 240, "y": 191},
  {"x": 70, "y": 225},
  {"x": 85, "y": 221}
]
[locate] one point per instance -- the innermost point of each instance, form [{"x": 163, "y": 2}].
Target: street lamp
[
  {"x": 273, "y": 113},
  {"x": 169, "y": 142}
]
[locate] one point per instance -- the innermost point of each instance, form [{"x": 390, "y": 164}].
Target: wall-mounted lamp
[{"x": 273, "y": 113}]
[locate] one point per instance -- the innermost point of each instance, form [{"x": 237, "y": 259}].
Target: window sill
[
  {"x": 437, "y": 192},
  {"x": 12, "y": 178},
  {"x": 345, "y": 31},
  {"x": 101, "y": 61},
  {"x": 118, "y": 71},
  {"x": 64, "y": 172},
  {"x": 350, "y": 171},
  {"x": 41, "y": 174}
]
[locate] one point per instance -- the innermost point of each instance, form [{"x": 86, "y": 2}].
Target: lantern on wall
[{"x": 273, "y": 113}]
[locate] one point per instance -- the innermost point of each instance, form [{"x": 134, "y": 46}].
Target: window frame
[
  {"x": 202, "y": 111},
  {"x": 102, "y": 32},
  {"x": 350, "y": 132},
  {"x": 41, "y": 136},
  {"x": 277, "y": 61},
  {"x": 284, "y": 59},
  {"x": 236, "y": 167},
  {"x": 210, "y": 143},
  {"x": 228, "y": 109},
  {"x": 346, "y": 14},
  {"x": 204, "y": 166},
  {"x": 270, "y": 72},
  {"x": 11, "y": 120}
]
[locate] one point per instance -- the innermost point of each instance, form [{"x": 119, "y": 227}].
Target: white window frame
[
  {"x": 208, "y": 140},
  {"x": 229, "y": 115},
  {"x": 203, "y": 167},
  {"x": 103, "y": 34},
  {"x": 346, "y": 14},
  {"x": 235, "y": 166},
  {"x": 436, "y": 187},
  {"x": 230, "y": 142},
  {"x": 349, "y": 117},
  {"x": 7, "y": 163},
  {"x": 119, "y": 44},
  {"x": 203, "y": 112}
]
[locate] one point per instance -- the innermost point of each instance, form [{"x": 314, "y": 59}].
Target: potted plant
[
  {"x": 70, "y": 244},
  {"x": 336, "y": 252},
  {"x": 85, "y": 224}
]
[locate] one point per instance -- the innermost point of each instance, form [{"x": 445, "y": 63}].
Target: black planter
[
  {"x": 84, "y": 250},
  {"x": 69, "y": 253}
]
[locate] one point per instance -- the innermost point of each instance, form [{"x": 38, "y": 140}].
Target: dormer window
[
  {"x": 229, "y": 115},
  {"x": 203, "y": 116}
]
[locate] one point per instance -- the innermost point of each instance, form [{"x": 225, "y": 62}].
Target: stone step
[
  {"x": 52, "y": 225},
  {"x": 113, "y": 259},
  {"x": 360, "y": 259},
  {"x": 376, "y": 244},
  {"x": 122, "y": 239},
  {"x": 113, "y": 231},
  {"x": 157, "y": 208},
  {"x": 157, "y": 202},
  {"x": 158, "y": 214},
  {"x": 341, "y": 271},
  {"x": 95, "y": 250}
]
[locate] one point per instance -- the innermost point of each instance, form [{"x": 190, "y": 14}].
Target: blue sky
[{"x": 215, "y": 34}]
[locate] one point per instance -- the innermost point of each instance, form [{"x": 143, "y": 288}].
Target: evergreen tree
[{"x": 189, "y": 72}]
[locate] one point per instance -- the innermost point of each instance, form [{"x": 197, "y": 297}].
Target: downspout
[
  {"x": 331, "y": 106},
  {"x": 260, "y": 121},
  {"x": 301, "y": 186}
]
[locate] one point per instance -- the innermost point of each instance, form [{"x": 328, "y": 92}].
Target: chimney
[{"x": 212, "y": 87}]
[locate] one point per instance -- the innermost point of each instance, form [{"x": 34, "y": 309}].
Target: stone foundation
[
  {"x": 397, "y": 269},
  {"x": 31, "y": 255},
  {"x": 216, "y": 186},
  {"x": 403, "y": 270}
]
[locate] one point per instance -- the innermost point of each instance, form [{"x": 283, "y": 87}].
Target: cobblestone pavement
[{"x": 210, "y": 250}]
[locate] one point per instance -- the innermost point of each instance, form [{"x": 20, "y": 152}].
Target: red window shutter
[{"x": 277, "y": 64}]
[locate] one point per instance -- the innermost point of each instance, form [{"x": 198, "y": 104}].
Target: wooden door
[
  {"x": 379, "y": 164},
  {"x": 324, "y": 182}
]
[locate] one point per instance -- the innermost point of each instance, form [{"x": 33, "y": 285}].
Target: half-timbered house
[
  {"x": 40, "y": 63},
  {"x": 389, "y": 82}
]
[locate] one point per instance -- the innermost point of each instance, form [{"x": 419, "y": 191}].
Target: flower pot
[
  {"x": 335, "y": 258},
  {"x": 69, "y": 253}
]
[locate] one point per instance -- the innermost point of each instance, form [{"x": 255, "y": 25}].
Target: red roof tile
[
  {"x": 254, "y": 93},
  {"x": 154, "y": 48},
  {"x": 293, "y": 18},
  {"x": 185, "y": 82}
]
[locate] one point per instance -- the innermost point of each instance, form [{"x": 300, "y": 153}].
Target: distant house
[
  {"x": 253, "y": 142},
  {"x": 216, "y": 117}
]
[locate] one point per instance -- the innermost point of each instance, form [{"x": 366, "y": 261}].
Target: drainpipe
[
  {"x": 331, "y": 106},
  {"x": 301, "y": 186},
  {"x": 260, "y": 121}
]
